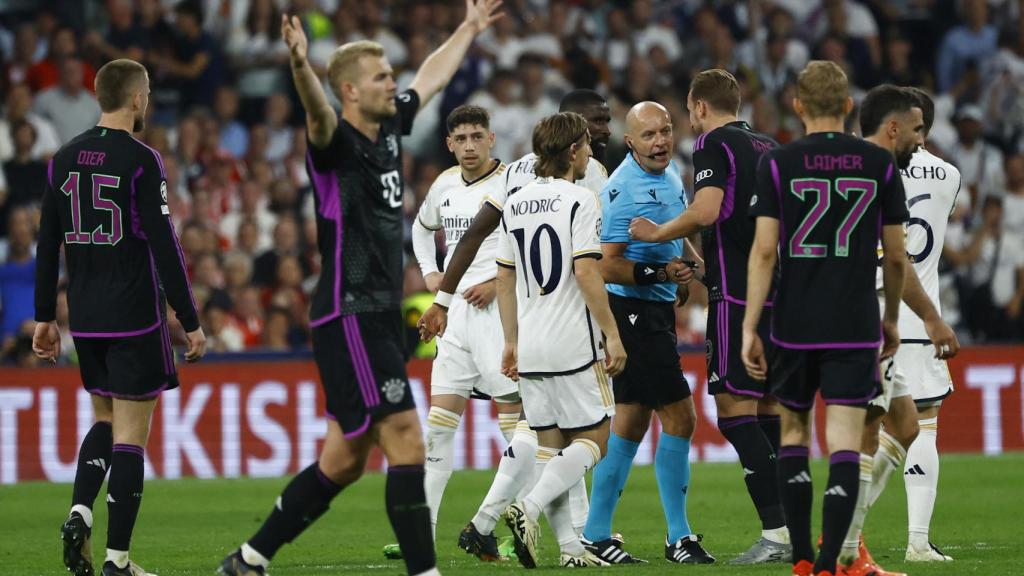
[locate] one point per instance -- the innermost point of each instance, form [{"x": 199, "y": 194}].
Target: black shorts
[
  {"x": 726, "y": 373},
  {"x": 844, "y": 376},
  {"x": 361, "y": 359},
  {"x": 130, "y": 367},
  {"x": 652, "y": 377}
]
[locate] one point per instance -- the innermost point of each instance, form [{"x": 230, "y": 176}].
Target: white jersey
[
  {"x": 452, "y": 203},
  {"x": 520, "y": 173},
  {"x": 548, "y": 225},
  {"x": 932, "y": 185}
]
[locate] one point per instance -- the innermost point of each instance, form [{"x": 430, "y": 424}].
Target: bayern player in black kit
[
  {"x": 106, "y": 202},
  {"x": 725, "y": 159},
  {"x": 822, "y": 203},
  {"x": 355, "y": 164}
]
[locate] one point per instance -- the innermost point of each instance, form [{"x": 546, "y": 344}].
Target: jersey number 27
[{"x": 820, "y": 192}]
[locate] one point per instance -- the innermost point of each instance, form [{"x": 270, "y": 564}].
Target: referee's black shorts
[
  {"x": 135, "y": 367},
  {"x": 653, "y": 377},
  {"x": 361, "y": 359}
]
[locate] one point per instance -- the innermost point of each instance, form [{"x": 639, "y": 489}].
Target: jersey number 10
[
  {"x": 547, "y": 286},
  {"x": 97, "y": 236},
  {"x": 820, "y": 191}
]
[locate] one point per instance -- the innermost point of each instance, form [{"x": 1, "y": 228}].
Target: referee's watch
[{"x": 646, "y": 273}]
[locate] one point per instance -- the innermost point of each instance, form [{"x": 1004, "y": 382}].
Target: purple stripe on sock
[
  {"x": 844, "y": 456},
  {"x": 794, "y": 452},
  {"x": 727, "y": 423},
  {"x": 406, "y": 469},
  {"x": 131, "y": 448},
  {"x": 358, "y": 431}
]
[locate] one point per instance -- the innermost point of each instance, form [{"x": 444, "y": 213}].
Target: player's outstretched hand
[
  {"x": 481, "y": 295},
  {"x": 679, "y": 271},
  {"x": 480, "y": 14},
  {"x": 942, "y": 336},
  {"x": 642, "y": 229},
  {"x": 295, "y": 37},
  {"x": 433, "y": 322},
  {"x": 891, "y": 339},
  {"x": 615, "y": 356},
  {"x": 510, "y": 362},
  {"x": 46, "y": 341},
  {"x": 753, "y": 356},
  {"x": 433, "y": 281},
  {"x": 196, "y": 345}
]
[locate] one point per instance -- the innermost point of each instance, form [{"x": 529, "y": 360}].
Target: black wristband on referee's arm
[{"x": 646, "y": 273}]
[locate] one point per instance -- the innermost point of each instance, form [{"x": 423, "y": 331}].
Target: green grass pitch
[{"x": 187, "y": 526}]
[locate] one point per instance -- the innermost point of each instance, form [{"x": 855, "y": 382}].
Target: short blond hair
[
  {"x": 552, "y": 138},
  {"x": 344, "y": 63},
  {"x": 823, "y": 89}
]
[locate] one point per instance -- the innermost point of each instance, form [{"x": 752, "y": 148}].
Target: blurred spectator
[
  {"x": 47, "y": 72},
  {"x": 69, "y": 106},
  {"x": 252, "y": 206},
  {"x": 26, "y": 176},
  {"x": 17, "y": 107},
  {"x": 502, "y": 99},
  {"x": 536, "y": 104},
  {"x": 967, "y": 44},
  {"x": 233, "y": 136},
  {"x": 980, "y": 163},
  {"x": 260, "y": 57},
  {"x": 124, "y": 39},
  {"x": 502, "y": 43},
  {"x": 1013, "y": 201},
  {"x": 276, "y": 330},
  {"x": 995, "y": 258},
  {"x": 195, "y": 65},
  {"x": 26, "y": 43},
  {"x": 17, "y": 276},
  {"x": 249, "y": 315},
  {"x": 222, "y": 333},
  {"x": 774, "y": 69},
  {"x": 279, "y": 133},
  {"x": 649, "y": 33},
  {"x": 899, "y": 69},
  {"x": 372, "y": 28},
  {"x": 286, "y": 244}
]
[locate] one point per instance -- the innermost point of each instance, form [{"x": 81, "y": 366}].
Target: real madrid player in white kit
[
  {"x": 553, "y": 310},
  {"x": 932, "y": 185},
  {"x": 929, "y": 339},
  {"x": 469, "y": 354}
]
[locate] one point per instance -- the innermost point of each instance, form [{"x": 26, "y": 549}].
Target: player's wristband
[
  {"x": 443, "y": 299},
  {"x": 646, "y": 273}
]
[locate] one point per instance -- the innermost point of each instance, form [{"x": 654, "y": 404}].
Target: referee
[{"x": 643, "y": 282}]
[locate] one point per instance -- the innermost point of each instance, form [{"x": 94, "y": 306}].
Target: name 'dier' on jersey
[
  {"x": 931, "y": 185},
  {"x": 452, "y": 203},
  {"x": 544, "y": 229}
]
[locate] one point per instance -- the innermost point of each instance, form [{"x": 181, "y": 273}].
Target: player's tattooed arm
[
  {"x": 321, "y": 119},
  {"x": 894, "y": 264},
  {"x": 941, "y": 335},
  {"x": 438, "y": 68}
]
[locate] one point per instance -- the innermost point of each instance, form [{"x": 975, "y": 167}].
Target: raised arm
[
  {"x": 321, "y": 119},
  {"x": 437, "y": 70}
]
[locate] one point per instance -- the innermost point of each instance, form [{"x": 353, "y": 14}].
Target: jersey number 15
[{"x": 97, "y": 236}]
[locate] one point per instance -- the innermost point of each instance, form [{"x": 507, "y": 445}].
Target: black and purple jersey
[
  {"x": 727, "y": 158},
  {"x": 831, "y": 193},
  {"x": 358, "y": 185},
  {"x": 106, "y": 202}
]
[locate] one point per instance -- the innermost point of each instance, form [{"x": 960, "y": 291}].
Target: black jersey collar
[{"x": 497, "y": 164}]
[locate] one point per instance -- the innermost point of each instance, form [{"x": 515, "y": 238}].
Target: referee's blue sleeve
[{"x": 616, "y": 213}]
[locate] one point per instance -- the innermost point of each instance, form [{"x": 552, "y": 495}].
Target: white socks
[
  {"x": 118, "y": 557},
  {"x": 922, "y": 480},
  {"x": 777, "y": 535},
  {"x": 252, "y": 557},
  {"x": 84, "y": 512},
  {"x": 441, "y": 427},
  {"x": 849, "y": 552},
  {"x": 515, "y": 470},
  {"x": 560, "y": 474},
  {"x": 579, "y": 504},
  {"x": 559, "y": 513},
  {"x": 889, "y": 458},
  {"x": 507, "y": 424}
]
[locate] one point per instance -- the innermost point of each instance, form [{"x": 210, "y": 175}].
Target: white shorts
[
  {"x": 469, "y": 354},
  {"x": 894, "y": 384},
  {"x": 577, "y": 400},
  {"x": 927, "y": 376}
]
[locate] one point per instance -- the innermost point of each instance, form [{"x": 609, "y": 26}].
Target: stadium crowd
[{"x": 226, "y": 119}]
